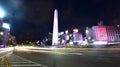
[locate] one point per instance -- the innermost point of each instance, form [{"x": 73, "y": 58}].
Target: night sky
[{"x": 33, "y": 19}]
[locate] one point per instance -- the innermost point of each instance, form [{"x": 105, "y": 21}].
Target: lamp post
[
  {"x": 2, "y": 15},
  {"x": 6, "y": 29}
]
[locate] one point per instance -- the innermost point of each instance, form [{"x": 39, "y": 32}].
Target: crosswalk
[{"x": 17, "y": 61}]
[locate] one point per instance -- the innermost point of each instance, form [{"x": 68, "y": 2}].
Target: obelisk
[{"x": 55, "y": 29}]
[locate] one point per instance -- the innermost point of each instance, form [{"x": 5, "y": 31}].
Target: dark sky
[{"x": 33, "y": 19}]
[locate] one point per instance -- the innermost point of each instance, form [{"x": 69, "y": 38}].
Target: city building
[
  {"x": 77, "y": 37},
  {"x": 103, "y": 34},
  {"x": 66, "y": 38}
]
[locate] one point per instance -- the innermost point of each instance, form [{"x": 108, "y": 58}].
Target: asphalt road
[{"x": 72, "y": 58}]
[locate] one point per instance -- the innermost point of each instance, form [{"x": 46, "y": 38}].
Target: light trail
[
  {"x": 6, "y": 49},
  {"x": 56, "y": 52},
  {"x": 35, "y": 49}
]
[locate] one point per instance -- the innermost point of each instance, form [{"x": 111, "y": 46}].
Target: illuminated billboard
[
  {"x": 101, "y": 33},
  {"x": 6, "y": 26}
]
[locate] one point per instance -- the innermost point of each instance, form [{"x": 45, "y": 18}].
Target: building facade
[{"x": 103, "y": 34}]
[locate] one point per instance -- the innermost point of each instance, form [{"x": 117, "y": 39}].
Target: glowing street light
[
  {"x": 2, "y": 13},
  {"x": 61, "y": 33},
  {"x": 75, "y": 30},
  {"x": 66, "y": 32},
  {"x": 86, "y": 31},
  {"x": 1, "y": 33}
]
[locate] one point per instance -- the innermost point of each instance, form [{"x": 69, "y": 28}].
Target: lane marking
[
  {"x": 26, "y": 65},
  {"x": 22, "y": 61}
]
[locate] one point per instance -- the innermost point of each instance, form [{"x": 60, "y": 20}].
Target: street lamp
[
  {"x": 5, "y": 26},
  {"x": 2, "y": 13},
  {"x": 66, "y": 32},
  {"x": 75, "y": 30},
  {"x": 61, "y": 33},
  {"x": 1, "y": 33},
  {"x": 86, "y": 31}
]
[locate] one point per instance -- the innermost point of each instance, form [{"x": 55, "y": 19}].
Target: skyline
[{"x": 34, "y": 18}]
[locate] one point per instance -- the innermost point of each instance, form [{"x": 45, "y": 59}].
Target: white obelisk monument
[{"x": 55, "y": 29}]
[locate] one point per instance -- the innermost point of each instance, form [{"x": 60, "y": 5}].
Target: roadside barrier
[{"x": 7, "y": 62}]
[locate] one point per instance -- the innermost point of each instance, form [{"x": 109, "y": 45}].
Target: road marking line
[
  {"x": 22, "y": 61},
  {"x": 75, "y": 53},
  {"x": 25, "y": 65}
]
